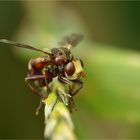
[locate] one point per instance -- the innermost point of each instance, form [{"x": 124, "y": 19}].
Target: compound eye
[{"x": 70, "y": 69}]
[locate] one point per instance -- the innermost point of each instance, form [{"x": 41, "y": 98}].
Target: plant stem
[{"x": 58, "y": 122}]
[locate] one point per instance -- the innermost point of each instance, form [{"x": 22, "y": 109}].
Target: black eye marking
[
  {"x": 82, "y": 63},
  {"x": 60, "y": 53},
  {"x": 70, "y": 69}
]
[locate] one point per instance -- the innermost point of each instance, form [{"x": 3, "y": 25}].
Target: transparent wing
[
  {"x": 71, "y": 41},
  {"x": 22, "y": 45}
]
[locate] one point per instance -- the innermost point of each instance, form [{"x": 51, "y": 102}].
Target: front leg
[
  {"x": 71, "y": 85},
  {"x": 72, "y": 105},
  {"x": 64, "y": 80},
  {"x": 80, "y": 85}
]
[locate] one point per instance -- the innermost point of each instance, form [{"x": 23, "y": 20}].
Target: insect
[{"x": 59, "y": 62}]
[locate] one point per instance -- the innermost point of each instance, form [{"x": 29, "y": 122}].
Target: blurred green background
[{"x": 109, "y": 103}]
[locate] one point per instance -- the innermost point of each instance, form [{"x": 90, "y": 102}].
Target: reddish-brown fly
[{"x": 59, "y": 62}]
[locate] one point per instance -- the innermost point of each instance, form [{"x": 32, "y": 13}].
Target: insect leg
[
  {"x": 64, "y": 80},
  {"x": 72, "y": 105},
  {"x": 73, "y": 93},
  {"x": 29, "y": 79},
  {"x": 46, "y": 82},
  {"x": 80, "y": 84}
]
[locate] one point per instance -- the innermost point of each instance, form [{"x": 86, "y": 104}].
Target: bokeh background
[{"x": 109, "y": 103}]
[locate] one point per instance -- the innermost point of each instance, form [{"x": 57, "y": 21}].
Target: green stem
[{"x": 58, "y": 122}]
